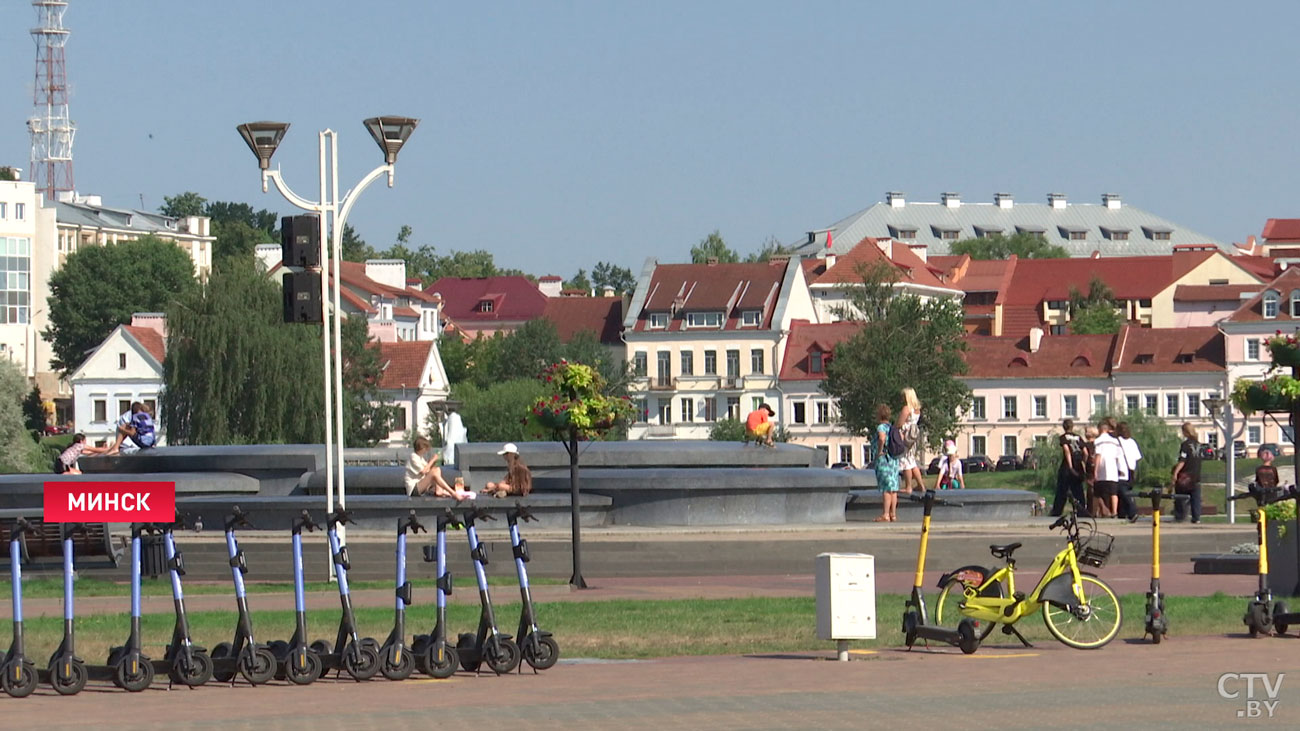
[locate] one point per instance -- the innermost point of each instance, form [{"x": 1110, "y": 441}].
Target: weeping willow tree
[{"x": 235, "y": 373}]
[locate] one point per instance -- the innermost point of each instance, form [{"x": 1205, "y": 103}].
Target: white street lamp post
[
  {"x": 390, "y": 133},
  {"x": 1231, "y": 431}
]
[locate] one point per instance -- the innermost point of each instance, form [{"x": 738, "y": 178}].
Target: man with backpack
[{"x": 1069, "y": 477}]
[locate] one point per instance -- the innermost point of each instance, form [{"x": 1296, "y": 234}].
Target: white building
[
  {"x": 26, "y": 259},
  {"x": 126, "y": 367},
  {"x": 413, "y": 382}
]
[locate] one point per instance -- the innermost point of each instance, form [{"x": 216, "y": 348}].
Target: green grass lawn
[
  {"x": 622, "y": 629},
  {"x": 47, "y": 587}
]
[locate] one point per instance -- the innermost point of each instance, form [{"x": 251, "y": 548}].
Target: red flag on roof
[{"x": 828, "y": 239}]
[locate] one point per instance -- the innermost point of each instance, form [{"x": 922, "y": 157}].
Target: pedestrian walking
[
  {"x": 887, "y": 472},
  {"x": 1187, "y": 475},
  {"x": 1069, "y": 476},
  {"x": 1132, "y": 455},
  {"x": 909, "y": 422}
]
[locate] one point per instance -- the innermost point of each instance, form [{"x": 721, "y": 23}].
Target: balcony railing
[
  {"x": 733, "y": 383},
  {"x": 663, "y": 384}
]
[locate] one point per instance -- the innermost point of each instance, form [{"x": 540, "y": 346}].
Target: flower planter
[
  {"x": 1285, "y": 355},
  {"x": 1260, "y": 399}
]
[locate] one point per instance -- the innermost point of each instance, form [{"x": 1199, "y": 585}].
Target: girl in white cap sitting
[
  {"x": 518, "y": 479},
  {"x": 950, "y": 472}
]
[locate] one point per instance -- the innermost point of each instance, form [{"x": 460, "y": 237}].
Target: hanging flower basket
[
  {"x": 1284, "y": 349},
  {"x": 552, "y": 418},
  {"x": 1276, "y": 393}
]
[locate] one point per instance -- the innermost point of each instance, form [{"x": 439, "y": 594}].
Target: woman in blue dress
[{"x": 886, "y": 468}]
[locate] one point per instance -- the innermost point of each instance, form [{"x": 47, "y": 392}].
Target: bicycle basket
[{"x": 1095, "y": 549}]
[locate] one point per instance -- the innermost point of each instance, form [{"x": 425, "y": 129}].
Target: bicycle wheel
[
  {"x": 947, "y": 609},
  {"x": 1094, "y": 624}
]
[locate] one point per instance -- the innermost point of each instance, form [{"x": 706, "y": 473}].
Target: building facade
[{"x": 126, "y": 367}]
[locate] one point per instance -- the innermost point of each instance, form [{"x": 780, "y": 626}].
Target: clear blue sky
[{"x": 558, "y": 134}]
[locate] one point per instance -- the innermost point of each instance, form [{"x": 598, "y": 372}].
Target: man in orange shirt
[{"x": 758, "y": 425}]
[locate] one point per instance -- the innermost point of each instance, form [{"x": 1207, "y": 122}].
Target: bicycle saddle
[{"x": 1004, "y": 551}]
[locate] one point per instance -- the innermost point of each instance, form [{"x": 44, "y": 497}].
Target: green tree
[
  {"x": 1023, "y": 245},
  {"x": 526, "y": 351},
  {"x": 99, "y": 287},
  {"x": 770, "y": 248},
  {"x": 905, "y": 341},
  {"x": 18, "y": 451},
  {"x": 620, "y": 278},
  {"x": 354, "y": 247},
  {"x": 713, "y": 247},
  {"x": 8, "y": 173},
  {"x": 235, "y": 373},
  {"x": 236, "y": 239},
  {"x": 34, "y": 412},
  {"x": 727, "y": 430},
  {"x": 367, "y": 413},
  {"x": 1097, "y": 312},
  {"x": 183, "y": 204},
  {"x": 226, "y": 212},
  {"x": 492, "y": 413},
  {"x": 579, "y": 281}
]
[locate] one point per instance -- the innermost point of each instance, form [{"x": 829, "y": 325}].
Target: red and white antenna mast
[{"x": 51, "y": 128}]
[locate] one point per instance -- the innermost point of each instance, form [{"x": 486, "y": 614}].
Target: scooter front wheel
[
  {"x": 1258, "y": 621},
  {"x": 502, "y": 655},
  {"x": 361, "y": 661},
  {"x": 257, "y": 665},
  {"x": 440, "y": 667},
  {"x": 19, "y": 679},
  {"x": 195, "y": 672},
  {"x": 399, "y": 662},
  {"x": 302, "y": 669},
  {"x": 133, "y": 673},
  {"x": 540, "y": 651},
  {"x": 67, "y": 675}
]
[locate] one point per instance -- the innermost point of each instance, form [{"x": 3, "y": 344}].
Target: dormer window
[
  {"x": 1295, "y": 303},
  {"x": 704, "y": 319},
  {"x": 1074, "y": 233},
  {"x": 1185, "y": 358},
  {"x": 1115, "y": 234},
  {"x": 658, "y": 320},
  {"x": 485, "y": 306},
  {"x": 988, "y": 231},
  {"x": 902, "y": 232},
  {"x": 1270, "y": 304},
  {"x": 751, "y": 318},
  {"x": 816, "y": 361},
  {"x": 1144, "y": 359},
  {"x": 946, "y": 233},
  {"x": 1157, "y": 233}
]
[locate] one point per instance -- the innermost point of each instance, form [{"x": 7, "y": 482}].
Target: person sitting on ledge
[
  {"x": 66, "y": 462},
  {"x": 125, "y": 428},
  {"x": 758, "y": 426},
  {"x": 518, "y": 479},
  {"x": 423, "y": 475}
]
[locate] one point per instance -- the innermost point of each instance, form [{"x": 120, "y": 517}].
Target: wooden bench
[{"x": 46, "y": 541}]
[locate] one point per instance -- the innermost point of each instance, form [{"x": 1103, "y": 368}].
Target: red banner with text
[{"x": 110, "y": 502}]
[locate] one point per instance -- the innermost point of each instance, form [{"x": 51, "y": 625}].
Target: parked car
[
  {"x": 842, "y": 466},
  {"x": 1207, "y": 451},
  {"x": 1008, "y": 463},
  {"x": 933, "y": 469},
  {"x": 977, "y": 463},
  {"x": 1030, "y": 459},
  {"x": 1238, "y": 449},
  {"x": 51, "y": 431}
]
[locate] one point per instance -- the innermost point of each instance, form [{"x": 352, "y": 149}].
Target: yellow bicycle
[{"x": 1079, "y": 609}]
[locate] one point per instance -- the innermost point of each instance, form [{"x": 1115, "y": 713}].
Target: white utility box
[{"x": 846, "y": 596}]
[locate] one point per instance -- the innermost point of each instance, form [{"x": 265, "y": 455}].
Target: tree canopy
[
  {"x": 99, "y": 287},
  {"x": 8, "y": 173},
  {"x": 620, "y": 278},
  {"x": 905, "y": 341},
  {"x": 713, "y": 247},
  {"x": 1023, "y": 245},
  {"x": 18, "y": 451},
  {"x": 770, "y": 248},
  {"x": 579, "y": 281},
  {"x": 1097, "y": 312},
  {"x": 367, "y": 414}
]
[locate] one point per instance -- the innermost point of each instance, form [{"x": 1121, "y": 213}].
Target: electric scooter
[
  {"x": 397, "y": 661},
  {"x": 132, "y": 669},
  {"x": 1157, "y": 623},
  {"x": 360, "y": 658},
  {"x": 538, "y": 646},
  {"x": 296, "y": 661},
  {"x": 490, "y": 644},
  {"x": 433, "y": 656},
  {"x": 243, "y": 655},
  {"x": 1260, "y": 618},
  {"x": 916, "y": 623},
  {"x": 184, "y": 662},
  {"x": 17, "y": 671},
  {"x": 66, "y": 672}
]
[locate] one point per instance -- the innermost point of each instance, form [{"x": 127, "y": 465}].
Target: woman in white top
[
  {"x": 1132, "y": 455},
  {"x": 950, "y": 469},
  {"x": 909, "y": 421},
  {"x": 423, "y": 474},
  {"x": 453, "y": 433}
]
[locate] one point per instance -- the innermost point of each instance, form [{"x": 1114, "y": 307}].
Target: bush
[
  {"x": 494, "y": 413},
  {"x": 727, "y": 430}
]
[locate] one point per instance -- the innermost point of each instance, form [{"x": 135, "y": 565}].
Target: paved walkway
[{"x": 1173, "y": 685}]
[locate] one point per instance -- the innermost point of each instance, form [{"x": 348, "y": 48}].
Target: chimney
[
  {"x": 389, "y": 272},
  {"x": 1110, "y": 200},
  {"x": 607, "y": 291},
  {"x": 550, "y": 285},
  {"x": 1056, "y": 201},
  {"x": 830, "y": 261},
  {"x": 895, "y": 199},
  {"x": 952, "y": 200},
  {"x": 1003, "y": 201},
  {"x": 711, "y": 261},
  {"x": 1035, "y": 339}
]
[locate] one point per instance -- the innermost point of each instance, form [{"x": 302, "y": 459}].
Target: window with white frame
[
  {"x": 1271, "y": 298},
  {"x": 825, "y": 449},
  {"x": 1193, "y": 404},
  {"x": 823, "y": 412},
  {"x": 639, "y": 366},
  {"x": 978, "y": 445},
  {"x": 799, "y": 412},
  {"x": 1009, "y": 445},
  {"x": 1252, "y": 349},
  {"x": 642, "y": 409},
  {"x": 20, "y": 211},
  {"x": 756, "y": 361},
  {"x": 399, "y": 419},
  {"x": 101, "y": 410},
  {"x": 688, "y": 409},
  {"x": 755, "y": 402},
  {"x": 688, "y": 363},
  {"x": 1098, "y": 404},
  {"x": 866, "y": 454},
  {"x": 1009, "y": 407},
  {"x": 1040, "y": 407},
  {"x": 1171, "y": 404},
  {"x": 733, "y": 407},
  {"x": 710, "y": 362},
  {"x": 1295, "y": 303},
  {"x": 658, "y": 320},
  {"x": 750, "y": 318},
  {"x": 977, "y": 408},
  {"x": 711, "y": 409},
  {"x": 665, "y": 411},
  {"x": 1254, "y": 435},
  {"x": 1070, "y": 407},
  {"x": 1152, "y": 401},
  {"x": 704, "y": 319},
  {"x": 846, "y": 453},
  {"x": 1131, "y": 404},
  {"x": 3, "y": 209}
]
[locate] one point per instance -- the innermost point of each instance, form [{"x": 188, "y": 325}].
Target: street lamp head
[
  {"x": 262, "y": 139},
  {"x": 1213, "y": 404},
  {"x": 390, "y": 134}
]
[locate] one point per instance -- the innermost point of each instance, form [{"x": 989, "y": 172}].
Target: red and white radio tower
[{"x": 51, "y": 128}]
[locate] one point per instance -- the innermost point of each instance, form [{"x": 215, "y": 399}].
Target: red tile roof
[
  {"x": 1263, "y": 267},
  {"x": 514, "y": 299},
  {"x": 1169, "y": 350},
  {"x": 1282, "y": 229},
  {"x": 868, "y": 251},
  {"x": 1129, "y": 277},
  {"x": 804, "y": 337},
  {"x": 601, "y": 316},
  {"x": 977, "y": 275},
  {"x": 1058, "y": 356},
  {"x": 1214, "y": 292},
  {"x": 726, "y": 288},
  {"x": 149, "y": 339},
  {"x": 403, "y": 362},
  {"x": 1253, "y": 309}
]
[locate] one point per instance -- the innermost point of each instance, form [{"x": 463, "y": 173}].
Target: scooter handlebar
[
  {"x": 304, "y": 522},
  {"x": 238, "y": 519},
  {"x": 340, "y": 517},
  {"x": 414, "y": 525},
  {"x": 22, "y": 526},
  {"x": 521, "y": 512},
  {"x": 479, "y": 514}
]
